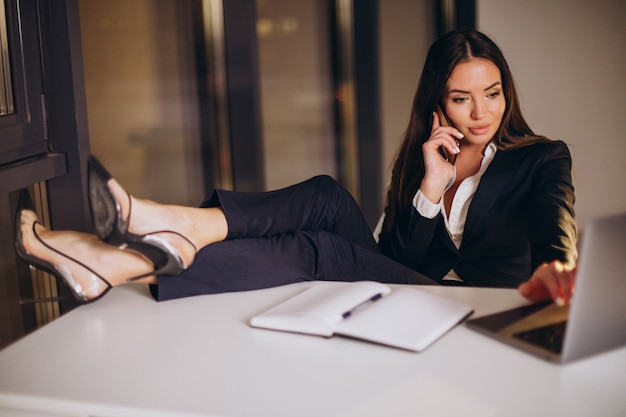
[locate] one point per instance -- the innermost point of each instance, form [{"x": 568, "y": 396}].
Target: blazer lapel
[{"x": 496, "y": 177}]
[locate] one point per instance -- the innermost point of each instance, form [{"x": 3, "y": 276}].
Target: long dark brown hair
[{"x": 444, "y": 55}]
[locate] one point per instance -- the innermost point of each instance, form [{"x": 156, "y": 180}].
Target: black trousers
[{"x": 313, "y": 230}]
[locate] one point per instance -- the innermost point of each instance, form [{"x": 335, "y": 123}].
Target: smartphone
[{"x": 443, "y": 121}]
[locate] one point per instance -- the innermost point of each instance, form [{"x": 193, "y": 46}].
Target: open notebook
[
  {"x": 595, "y": 320},
  {"x": 406, "y": 318}
]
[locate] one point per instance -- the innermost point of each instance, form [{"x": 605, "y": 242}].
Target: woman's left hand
[{"x": 551, "y": 280}]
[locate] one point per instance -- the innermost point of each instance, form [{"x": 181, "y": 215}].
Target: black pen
[{"x": 361, "y": 305}]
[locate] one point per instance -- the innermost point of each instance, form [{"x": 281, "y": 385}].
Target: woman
[
  {"x": 507, "y": 212},
  {"x": 486, "y": 177}
]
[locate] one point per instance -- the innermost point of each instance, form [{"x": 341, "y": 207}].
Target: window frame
[{"x": 23, "y": 132}]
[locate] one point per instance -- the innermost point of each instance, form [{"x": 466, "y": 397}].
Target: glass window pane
[
  {"x": 296, "y": 90},
  {"x": 142, "y": 95},
  {"x": 6, "y": 90}
]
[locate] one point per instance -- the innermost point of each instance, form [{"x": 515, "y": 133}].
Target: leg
[
  {"x": 319, "y": 203},
  {"x": 255, "y": 263}
]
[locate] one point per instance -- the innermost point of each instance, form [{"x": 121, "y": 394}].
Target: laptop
[{"x": 595, "y": 319}]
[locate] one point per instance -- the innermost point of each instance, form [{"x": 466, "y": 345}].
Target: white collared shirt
[{"x": 455, "y": 222}]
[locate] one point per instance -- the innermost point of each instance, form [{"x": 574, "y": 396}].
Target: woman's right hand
[
  {"x": 551, "y": 280},
  {"x": 439, "y": 172}
]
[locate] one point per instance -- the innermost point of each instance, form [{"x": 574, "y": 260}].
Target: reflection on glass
[
  {"x": 6, "y": 91},
  {"x": 142, "y": 102},
  {"x": 296, "y": 90}
]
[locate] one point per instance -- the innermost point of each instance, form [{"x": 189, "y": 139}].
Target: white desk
[{"x": 127, "y": 355}]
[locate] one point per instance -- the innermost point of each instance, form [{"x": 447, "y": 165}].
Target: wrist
[{"x": 432, "y": 191}]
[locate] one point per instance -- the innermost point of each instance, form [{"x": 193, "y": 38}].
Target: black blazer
[{"x": 521, "y": 216}]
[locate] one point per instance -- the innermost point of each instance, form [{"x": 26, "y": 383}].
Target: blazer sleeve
[
  {"x": 410, "y": 239},
  {"x": 552, "y": 228}
]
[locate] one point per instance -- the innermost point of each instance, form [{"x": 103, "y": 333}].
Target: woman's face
[{"x": 474, "y": 100}]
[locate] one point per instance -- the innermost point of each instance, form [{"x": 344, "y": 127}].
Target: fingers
[
  {"x": 445, "y": 136},
  {"x": 439, "y": 169},
  {"x": 534, "y": 291},
  {"x": 550, "y": 281},
  {"x": 436, "y": 123}
]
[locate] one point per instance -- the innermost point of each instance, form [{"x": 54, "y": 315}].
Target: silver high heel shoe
[
  {"x": 111, "y": 227},
  {"x": 26, "y": 222}
]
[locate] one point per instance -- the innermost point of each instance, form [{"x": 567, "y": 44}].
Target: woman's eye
[
  {"x": 495, "y": 94},
  {"x": 459, "y": 99}
]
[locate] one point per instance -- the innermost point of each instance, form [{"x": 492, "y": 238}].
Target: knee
[
  {"x": 325, "y": 182},
  {"x": 328, "y": 186}
]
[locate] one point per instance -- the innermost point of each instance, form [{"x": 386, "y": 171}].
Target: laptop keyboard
[{"x": 549, "y": 337}]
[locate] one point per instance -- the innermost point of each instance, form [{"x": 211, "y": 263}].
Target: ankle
[
  {"x": 220, "y": 224},
  {"x": 209, "y": 226}
]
